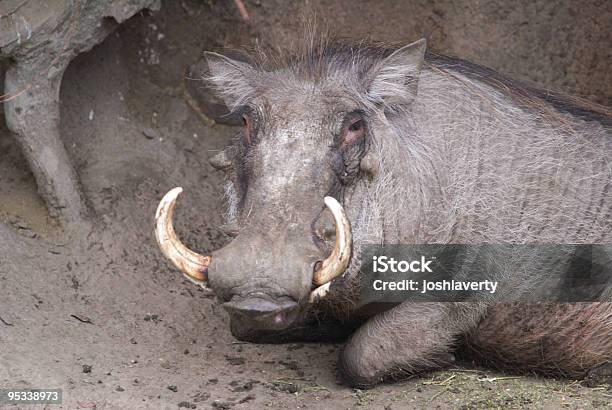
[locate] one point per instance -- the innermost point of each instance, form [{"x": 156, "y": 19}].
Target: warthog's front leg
[{"x": 409, "y": 338}]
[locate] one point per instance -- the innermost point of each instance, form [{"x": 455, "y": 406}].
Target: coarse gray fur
[{"x": 453, "y": 154}]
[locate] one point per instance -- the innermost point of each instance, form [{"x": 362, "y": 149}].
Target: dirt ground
[{"x": 101, "y": 314}]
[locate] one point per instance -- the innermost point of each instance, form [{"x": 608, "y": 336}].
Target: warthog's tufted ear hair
[
  {"x": 394, "y": 81},
  {"x": 231, "y": 78}
]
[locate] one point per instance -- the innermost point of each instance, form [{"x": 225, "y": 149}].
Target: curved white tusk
[
  {"x": 192, "y": 264},
  {"x": 319, "y": 293},
  {"x": 338, "y": 261}
]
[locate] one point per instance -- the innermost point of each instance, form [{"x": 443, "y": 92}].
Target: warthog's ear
[
  {"x": 230, "y": 78},
  {"x": 395, "y": 79}
]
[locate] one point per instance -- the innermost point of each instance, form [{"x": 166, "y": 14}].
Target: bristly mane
[
  {"x": 525, "y": 94},
  {"x": 314, "y": 58}
]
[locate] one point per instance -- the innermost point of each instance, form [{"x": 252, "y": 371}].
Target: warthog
[{"x": 403, "y": 147}]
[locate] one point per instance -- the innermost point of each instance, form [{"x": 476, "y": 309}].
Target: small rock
[
  {"x": 202, "y": 396},
  {"x": 150, "y": 133},
  {"x": 247, "y": 398},
  {"x": 187, "y": 405},
  {"x": 223, "y": 405},
  {"x": 234, "y": 360},
  {"x": 119, "y": 388},
  {"x": 288, "y": 387},
  {"x": 28, "y": 233},
  {"x": 173, "y": 388},
  {"x": 248, "y": 386},
  {"x": 87, "y": 368},
  {"x": 152, "y": 318}
]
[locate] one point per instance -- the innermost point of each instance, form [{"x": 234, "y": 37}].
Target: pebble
[
  {"x": 223, "y": 405},
  {"x": 150, "y": 133}
]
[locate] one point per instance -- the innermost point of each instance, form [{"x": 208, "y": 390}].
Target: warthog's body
[{"x": 451, "y": 153}]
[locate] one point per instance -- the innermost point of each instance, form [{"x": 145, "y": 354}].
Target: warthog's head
[{"x": 309, "y": 126}]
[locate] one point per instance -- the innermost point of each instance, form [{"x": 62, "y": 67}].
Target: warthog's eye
[
  {"x": 353, "y": 131},
  {"x": 356, "y": 126},
  {"x": 350, "y": 144},
  {"x": 247, "y": 129}
]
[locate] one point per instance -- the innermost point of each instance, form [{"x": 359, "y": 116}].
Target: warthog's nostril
[{"x": 280, "y": 318}]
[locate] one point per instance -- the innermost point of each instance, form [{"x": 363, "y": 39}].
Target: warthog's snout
[
  {"x": 286, "y": 263},
  {"x": 262, "y": 312}
]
